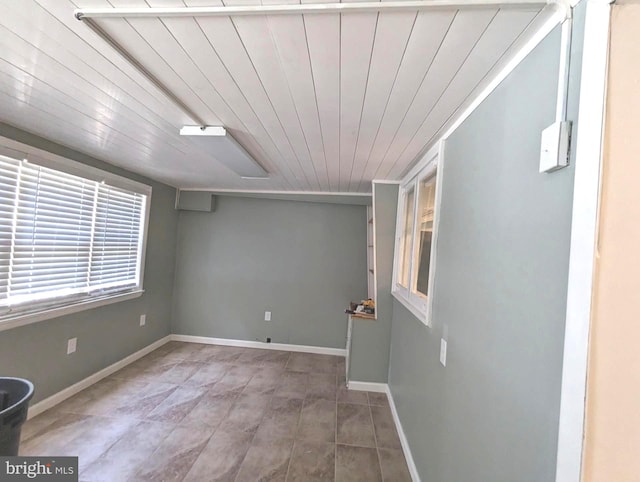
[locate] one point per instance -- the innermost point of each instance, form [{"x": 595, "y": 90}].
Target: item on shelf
[{"x": 365, "y": 307}]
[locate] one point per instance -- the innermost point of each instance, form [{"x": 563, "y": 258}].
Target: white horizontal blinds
[
  {"x": 8, "y": 183},
  {"x": 63, "y": 236},
  {"x": 52, "y": 234},
  {"x": 117, "y": 238}
]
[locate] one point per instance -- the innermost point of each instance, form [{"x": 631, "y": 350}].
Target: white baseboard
[
  {"x": 403, "y": 438},
  {"x": 259, "y": 344},
  {"x": 367, "y": 386},
  {"x": 62, "y": 395}
]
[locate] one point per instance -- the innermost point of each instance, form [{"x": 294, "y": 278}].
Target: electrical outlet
[
  {"x": 72, "y": 344},
  {"x": 267, "y": 316},
  {"x": 143, "y": 320},
  {"x": 443, "y": 352},
  {"x": 268, "y": 339}
]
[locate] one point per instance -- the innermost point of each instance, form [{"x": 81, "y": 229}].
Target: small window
[
  {"x": 424, "y": 235},
  {"x": 407, "y": 235},
  {"x": 66, "y": 238},
  {"x": 415, "y": 240}
]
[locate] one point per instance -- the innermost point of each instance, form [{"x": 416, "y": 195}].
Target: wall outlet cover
[
  {"x": 267, "y": 316},
  {"x": 72, "y": 344},
  {"x": 443, "y": 352}
]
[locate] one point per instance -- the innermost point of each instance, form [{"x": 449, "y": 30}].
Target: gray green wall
[
  {"x": 369, "y": 359},
  {"x": 500, "y": 293},
  {"x": 106, "y": 334},
  {"x": 302, "y": 261}
]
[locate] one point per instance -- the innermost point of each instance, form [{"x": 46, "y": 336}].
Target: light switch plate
[
  {"x": 72, "y": 344},
  {"x": 443, "y": 352},
  {"x": 267, "y": 316},
  {"x": 554, "y": 146},
  {"x": 143, "y": 320}
]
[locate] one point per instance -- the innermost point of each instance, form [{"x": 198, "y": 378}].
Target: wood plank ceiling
[{"x": 324, "y": 102}]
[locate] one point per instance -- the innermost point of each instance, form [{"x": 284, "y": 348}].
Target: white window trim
[
  {"x": 66, "y": 309},
  {"x": 431, "y": 164},
  {"x": 17, "y": 150}
]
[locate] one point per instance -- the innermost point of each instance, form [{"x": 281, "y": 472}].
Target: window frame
[
  {"x": 430, "y": 165},
  {"x": 39, "y": 311}
]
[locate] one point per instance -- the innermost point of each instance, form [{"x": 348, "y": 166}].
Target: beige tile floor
[{"x": 214, "y": 413}]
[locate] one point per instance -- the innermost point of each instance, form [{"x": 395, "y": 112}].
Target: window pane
[
  {"x": 407, "y": 236},
  {"x": 8, "y": 182},
  {"x": 426, "y": 209},
  {"x": 52, "y": 234},
  {"x": 117, "y": 235}
]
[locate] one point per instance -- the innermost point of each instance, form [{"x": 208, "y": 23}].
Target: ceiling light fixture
[{"x": 216, "y": 141}]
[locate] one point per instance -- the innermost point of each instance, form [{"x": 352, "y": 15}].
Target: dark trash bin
[{"x": 15, "y": 394}]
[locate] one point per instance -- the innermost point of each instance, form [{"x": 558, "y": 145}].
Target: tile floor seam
[
  {"x": 357, "y": 446},
  {"x": 295, "y": 432},
  {"x": 253, "y": 437},
  {"x": 160, "y": 445},
  {"x": 335, "y": 442},
  {"x": 375, "y": 438},
  {"x": 335, "y": 434},
  {"x": 109, "y": 447},
  {"x": 293, "y": 448}
]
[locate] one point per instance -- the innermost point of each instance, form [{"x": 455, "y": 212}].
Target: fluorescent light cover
[{"x": 216, "y": 141}]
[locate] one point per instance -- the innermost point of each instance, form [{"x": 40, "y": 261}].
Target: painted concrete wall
[
  {"x": 106, "y": 334},
  {"x": 302, "y": 261},
  {"x": 371, "y": 339},
  {"x": 612, "y": 440},
  {"x": 491, "y": 415}
]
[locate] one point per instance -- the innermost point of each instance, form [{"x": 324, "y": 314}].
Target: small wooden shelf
[{"x": 363, "y": 316}]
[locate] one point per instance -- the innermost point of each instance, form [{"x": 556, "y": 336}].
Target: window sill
[
  {"x": 72, "y": 307},
  {"x": 419, "y": 312}
]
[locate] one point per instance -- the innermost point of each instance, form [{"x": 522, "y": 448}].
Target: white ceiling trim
[
  {"x": 266, "y": 191},
  {"x": 305, "y": 8}
]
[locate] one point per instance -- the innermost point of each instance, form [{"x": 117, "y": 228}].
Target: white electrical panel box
[{"x": 554, "y": 146}]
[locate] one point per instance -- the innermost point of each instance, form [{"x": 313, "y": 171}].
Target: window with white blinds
[{"x": 64, "y": 237}]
